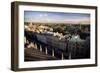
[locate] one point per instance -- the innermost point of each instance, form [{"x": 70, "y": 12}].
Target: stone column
[
  {"x": 52, "y": 52},
  {"x": 40, "y": 48},
  {"x": 62, "y": 56},
  {"x": 35, "y": 45},
  {"x": 46, "y": 50}
]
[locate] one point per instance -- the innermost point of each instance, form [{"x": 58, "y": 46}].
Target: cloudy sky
[{"x": 56, "y": 17}]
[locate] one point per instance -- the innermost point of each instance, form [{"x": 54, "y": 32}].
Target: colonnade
[{"x": 46, "y": 50}]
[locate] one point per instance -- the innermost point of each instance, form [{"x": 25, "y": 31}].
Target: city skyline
[{"x": 56, "y": 17}]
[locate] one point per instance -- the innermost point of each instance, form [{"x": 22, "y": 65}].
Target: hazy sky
[{"x": 56, "y": 17}]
